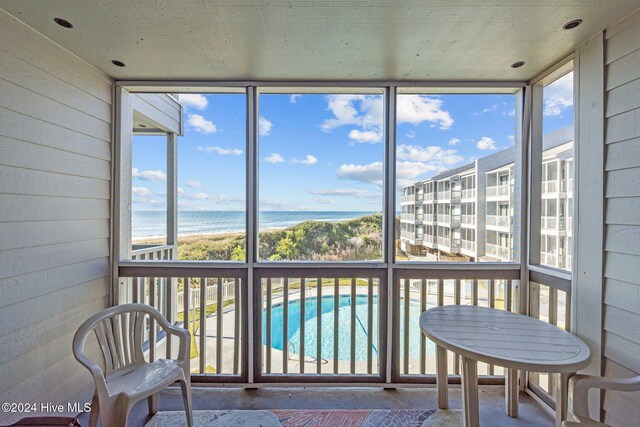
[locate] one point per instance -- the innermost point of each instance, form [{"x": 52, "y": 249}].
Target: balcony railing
[
  {"x": 444, "y": 195},
  {"x": 428, "y": 197},
  {"x": 419, "y": 197},
  {"x": 469, "y": 193},
  {"x": 413, "y": 237},
  {"x": 152, "y": 252},
  {"x": 309, "y": 324},
  {"x": 417, "y": 290},
  {"x": 443, "y": 218},
  {"x": 549, "y": 223},
  {"x": 408, "y": 217},
  {"x": 427, "y": 240},
  {"x": 468, "y": 246},
  {"x": 551, "y": 259},
  {"x": 498, "y": 221},
  {"x": 411, "y": 198},
  {"x": 468, "y": 219},
  {"x": 499, "y": 191},
  {"x": 550, "y": 186},
  {"x": 499, "y": 252}
]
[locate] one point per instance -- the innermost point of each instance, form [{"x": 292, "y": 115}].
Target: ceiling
[{"x": 320, "y": 39}]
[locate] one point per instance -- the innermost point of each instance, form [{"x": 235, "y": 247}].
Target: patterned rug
[{"x": 312, "y": 418}]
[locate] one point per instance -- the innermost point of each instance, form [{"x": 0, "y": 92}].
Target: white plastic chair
[
  {"x": 579, "y": 386},
  {"x": 127, "y": 377}
]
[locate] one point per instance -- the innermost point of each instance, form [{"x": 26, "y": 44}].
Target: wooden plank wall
[
  {"x": 622, "y": 216},
  {"x": 55, "y": 172}
]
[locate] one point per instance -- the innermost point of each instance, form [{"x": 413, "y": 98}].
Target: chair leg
[
  {"x": 186, "y": 397},
  {"x": 152, "y": 402},
  {"x": 95, "y": 411}
]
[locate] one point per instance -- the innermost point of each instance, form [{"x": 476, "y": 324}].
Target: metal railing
[
  {"x": 443, "y": 218},
  {"x": 468, "y": 219},
  {"x": 499, "y": 191},
  {"x": 549, "y": 223},
  {"x": 496, "y": 251},
  {"x": 498, "y": 221},
  {"x": 444, "y": 195},
  {"x": 469, "y": 193},
  {"x": 428, "y": 197},
  {"x": 550, "y": 186},
  {"x": 407, "y": 217},
  {"x": 408, "y": 198},
  {"x": 468, "y": 246}
]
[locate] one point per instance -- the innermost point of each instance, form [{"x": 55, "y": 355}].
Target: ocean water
[{"x": 153, "y": 223}]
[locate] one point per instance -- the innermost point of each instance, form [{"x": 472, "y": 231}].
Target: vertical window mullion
[{"x": 389, "y": 213}]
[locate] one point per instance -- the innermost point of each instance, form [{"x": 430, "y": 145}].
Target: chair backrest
[{"x": 119, "y": 332}]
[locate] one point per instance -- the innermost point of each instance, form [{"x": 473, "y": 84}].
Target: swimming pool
[{"x": 344, "y": 327}]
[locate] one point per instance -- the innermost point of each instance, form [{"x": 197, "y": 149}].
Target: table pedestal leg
[
  {"x": 441, "y": 377},
  {"x": 470, "y": 392},
  {"x": 562, "y": 388},
  {"x": 511, "y": 392}
]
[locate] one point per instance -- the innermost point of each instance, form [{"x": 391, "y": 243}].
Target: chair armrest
[
  {"x": 184, "y": 336},
  {"x": 579, "y": 386}
]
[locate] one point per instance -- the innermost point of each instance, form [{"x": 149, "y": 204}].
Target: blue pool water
[{"x": 344, "y": 327}]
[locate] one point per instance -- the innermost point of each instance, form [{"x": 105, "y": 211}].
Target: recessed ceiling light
[
  {"x": 517, "y": 64},
  {"x": 572, "y": 24},
  {"x": 117, "y": 63},
  {"x": 63, "y": 22}
]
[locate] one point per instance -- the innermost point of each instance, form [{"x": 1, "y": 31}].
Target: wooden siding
[
  {"x": 622, "y": 220},
  {"x": 55, "y": 173}
]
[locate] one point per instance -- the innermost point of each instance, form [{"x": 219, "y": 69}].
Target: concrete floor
[{"x": 491, "y": 402}]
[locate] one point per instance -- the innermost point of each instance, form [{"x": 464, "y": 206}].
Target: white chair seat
[
  {"x": 125, "y": 377},
  {"x": 141, "y": 379}
]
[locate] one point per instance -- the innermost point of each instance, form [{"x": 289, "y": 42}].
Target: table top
[{"x": 505, "y": 339}]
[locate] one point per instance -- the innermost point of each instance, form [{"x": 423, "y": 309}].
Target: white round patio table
[{"x": 498, "y": 337}]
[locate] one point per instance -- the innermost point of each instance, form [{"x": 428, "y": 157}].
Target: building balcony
[
  {"x": 551, "y": 259},
  {"x": 408, "y": 217},
  {"x": 468, "y": 194},
  {"x": 428, "y": 241},
  {"x": 428, "y": 197},
  {"x": 500, "y": 252},
  {"x": 443, "y": 219},
  {"x": 499, "y": 192},
  {"x": 419, "y": 198},
  {"x": 443, "y": 196},
  {"x": 408, "y": 199},
  {"x": 499, "y": 222},
  {"x": 468, "y": 247},
  {"x": 468, "y": 219}
]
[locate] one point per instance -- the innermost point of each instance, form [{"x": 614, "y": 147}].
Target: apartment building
[{"x": 467, "y": 213}]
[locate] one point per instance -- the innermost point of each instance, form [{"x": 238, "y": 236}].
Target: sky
[{"x": 323, "y": 152}]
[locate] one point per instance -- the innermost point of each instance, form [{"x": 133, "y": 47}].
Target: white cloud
[
  {"x": 411, "y": 134},
  {"x": 493, "y": 107},
  {"x": 180, "y": 191},
  {"x": 140, "y": 191},
  {"x": 220, "y": 150},
  {"x": 558, "y": 96},
  {"x": 264, "y": 126},
  {"x": 486, "y": 143},
  {"x": 371, "y": 136},
  {"x": 454, "y": 141},
  {"x": 366, "y": 111},
  {"x": 294, "y": 98},
  {"x": 194, "y": 184},
  {"x": 432, "y": 154},
  {"x": 325, "y": 201},
  {"x": 279, "y": 205},
  {"x": 308, "y": 160},
  {"x": 193, "y": 100},
  {"x": 196, "y": 196},
  {"x": 416, "y": 109},
  {"x": 371, "y": 173},
  {"x": 411, "y": 170},
  {"x": 274, "y": 158},
  {"x": 149, "y": 175},
  {"x": 200, "y": 124}
]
